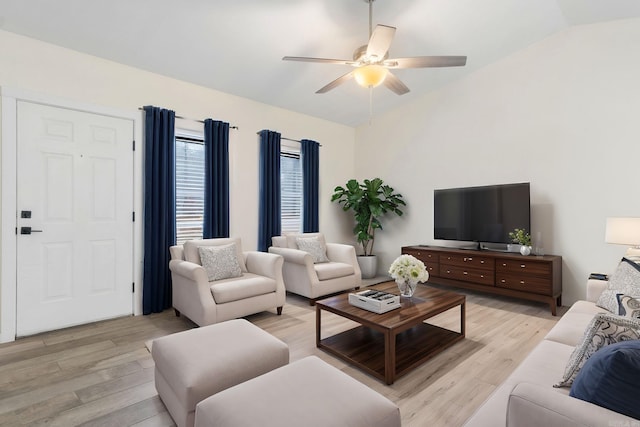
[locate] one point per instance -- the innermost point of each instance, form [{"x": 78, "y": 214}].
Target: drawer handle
[
  {"x": 503, "y": 281},
  {"x": 504, "y": 265},
  {"x": 482, "y": 276},
  {"x": 465, "y": 273},
  {"x": 448, "y": 271},
  {"x": 522, "y": 282},
  {"x": 481, "y": 261},
  {"x": 522, "y": 265}
]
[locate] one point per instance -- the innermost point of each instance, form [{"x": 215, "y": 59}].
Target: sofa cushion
[
  {"x": 333, "y": 270},
  {"x": 220, "y": 262},
  {"x": 611, "y": 378},
  {"x": 314, "y": 247},
  {"x": 246, "y": 286},
  {"x": 570, "y": 328},
  {"x": 191, "y": 253},
  {"x": 603, "y": 330},
  {"x": 628, "y": 306},
  {"x": 625, "y": 280}
]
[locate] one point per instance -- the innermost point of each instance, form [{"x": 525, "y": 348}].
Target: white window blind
[
  {"x": 189, "y": 188},
  {"x": 291, "y": 191}
]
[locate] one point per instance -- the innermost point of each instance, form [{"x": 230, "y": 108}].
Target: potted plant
[
  {"x": 520, "y": 236},
  {"x": 369, "y": 201}
]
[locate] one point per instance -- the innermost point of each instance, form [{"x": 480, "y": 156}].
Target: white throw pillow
[
  {"x": 220, "y": 262},
  {"x": 314, "y": 247},
  {"x": 625, "y": 280}
]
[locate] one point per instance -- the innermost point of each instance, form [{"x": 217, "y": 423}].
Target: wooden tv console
[{"x": 535, "y": 278}]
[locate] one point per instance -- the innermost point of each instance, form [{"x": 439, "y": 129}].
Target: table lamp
[{"x": 625, "y": 231}]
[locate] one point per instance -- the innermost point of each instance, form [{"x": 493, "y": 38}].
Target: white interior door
[{"x": 75, "y": 191}]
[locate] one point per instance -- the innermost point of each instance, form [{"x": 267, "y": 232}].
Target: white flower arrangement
[{"x": 407, "y": 268}]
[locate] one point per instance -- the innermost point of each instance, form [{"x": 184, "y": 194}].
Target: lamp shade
[
  {"x": 623, "y": 231},
  {"x": 370, "y": 75}
]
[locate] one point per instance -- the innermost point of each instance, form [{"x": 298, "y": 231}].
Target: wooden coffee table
[{"x": 391, "y": 344}]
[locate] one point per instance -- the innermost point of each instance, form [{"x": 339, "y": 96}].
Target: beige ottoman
[
  {"x": 195, "y": 364},
  {"x": 307, "y": 393}
]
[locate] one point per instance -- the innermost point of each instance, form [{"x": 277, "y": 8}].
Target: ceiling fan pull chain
[{"x": 370, "y": 104}]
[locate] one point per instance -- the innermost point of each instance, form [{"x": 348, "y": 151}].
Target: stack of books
[{"x": 375, "y": 301}]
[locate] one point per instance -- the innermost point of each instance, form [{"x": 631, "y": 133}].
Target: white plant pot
[{"x": 368, "y": 266}]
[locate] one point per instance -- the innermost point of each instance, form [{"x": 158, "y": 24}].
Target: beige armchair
[
  {"x": 338, "y": 271},
  {"x": 256, "y": 282}
]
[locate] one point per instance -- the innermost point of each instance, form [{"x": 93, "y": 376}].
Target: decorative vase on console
[
  {"x": 408, "y": 271},
  {"x": 520, "y": 236}
]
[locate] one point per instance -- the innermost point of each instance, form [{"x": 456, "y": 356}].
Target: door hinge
[
  {"x": 134, "y": 145},
  {"x": 16, "y": 230},
  {"x": 133, "y": 216},
  {"x": 133, "y": 287}
]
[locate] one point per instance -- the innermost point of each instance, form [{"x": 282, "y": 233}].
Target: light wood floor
[{"x": 102, "y": 374}]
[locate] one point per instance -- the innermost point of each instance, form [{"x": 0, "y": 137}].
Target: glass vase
[{"x": 406, "y": 288}]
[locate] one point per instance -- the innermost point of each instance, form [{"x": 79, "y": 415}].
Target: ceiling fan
[{"x": 372, "y": 63}]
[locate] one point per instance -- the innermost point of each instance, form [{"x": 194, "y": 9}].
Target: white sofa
[
  {"x": 527, "y": 397},
  {"x": 303, "y": 277}
]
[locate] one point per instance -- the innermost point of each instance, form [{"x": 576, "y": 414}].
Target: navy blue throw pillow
[{"x": 611, "y": 378}]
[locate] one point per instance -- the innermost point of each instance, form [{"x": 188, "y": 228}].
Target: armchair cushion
[
  {"x": 333, "y": 270},
  {"x": 191, "y": 254},
  {"x": 293, "y": 243},
  {"x": 314, "y": 247},
  {"x": 220, "y": 262},
  {"x": 247, "y": 286}
]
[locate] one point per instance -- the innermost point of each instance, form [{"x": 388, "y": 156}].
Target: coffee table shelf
[
  {"x": 389, "y": 345},
  {"x": 361, "y": 347}
]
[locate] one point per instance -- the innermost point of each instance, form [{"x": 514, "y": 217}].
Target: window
[
  {"x": 291, "y": 190},
  {"x": 189, "y": 187}
]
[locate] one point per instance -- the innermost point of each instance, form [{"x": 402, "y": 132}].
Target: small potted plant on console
[{"x": 521, "y": 237}]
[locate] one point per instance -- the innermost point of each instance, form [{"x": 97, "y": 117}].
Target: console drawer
[
  {"x": 429, "y": 258},
  {"x": 471, "y": 260},
  {"x": 522, "y": 282},
  {"x": 482, "y": 277},
  {"x": 524, "y": 267}
]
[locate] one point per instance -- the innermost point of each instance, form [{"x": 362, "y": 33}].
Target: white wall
[
  {"x": 561, "y": 114},
  {"x": 39, "y": 67}
]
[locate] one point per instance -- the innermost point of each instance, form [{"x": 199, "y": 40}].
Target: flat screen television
[{"x": 481, "y": 214}]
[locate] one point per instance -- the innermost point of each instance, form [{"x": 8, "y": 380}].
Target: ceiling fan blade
[
  {"x": 322, "y": 60},
  {"x": 337, "y": 82},
  {"x": 380, "y": 41},
  {"x": 395, "y": 84},
  {"x": 426, "y": 61}
]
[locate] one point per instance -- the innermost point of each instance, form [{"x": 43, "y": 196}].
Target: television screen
[{"x": 481, "y": 214}]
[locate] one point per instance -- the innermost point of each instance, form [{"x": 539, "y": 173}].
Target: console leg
[
  {"x": 279, "y": 310},
  {"x": 177, "y": 312}
]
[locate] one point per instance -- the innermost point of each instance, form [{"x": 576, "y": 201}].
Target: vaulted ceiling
[{"x": 237, "y": 46}]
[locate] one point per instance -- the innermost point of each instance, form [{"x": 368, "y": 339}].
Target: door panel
[{"x": 75, "y": 175}]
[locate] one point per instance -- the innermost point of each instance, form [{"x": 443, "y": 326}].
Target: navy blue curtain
[
  {"x": 310, "y": 153},
  {"x": 269, "y": 210},
  {"x": 216, "y": 179},
  {"x": 159, "y": 207}
]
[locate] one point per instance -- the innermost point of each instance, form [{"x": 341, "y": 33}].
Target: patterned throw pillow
[
  {"x": 220, "y": 262},
  {"x": 628, "y": 306},
  {"x": 603, "y": 330},
  {"x": 314, "y": 247},
  {"x": 625, "y": 280}
]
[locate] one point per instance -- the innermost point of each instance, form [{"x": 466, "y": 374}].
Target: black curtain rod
[
  {"x": 193, "y": 120},
  {"x": 289, "y": 139}
]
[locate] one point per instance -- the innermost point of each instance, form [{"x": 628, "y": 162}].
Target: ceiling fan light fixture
[{"x": 370, "y": 75}]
